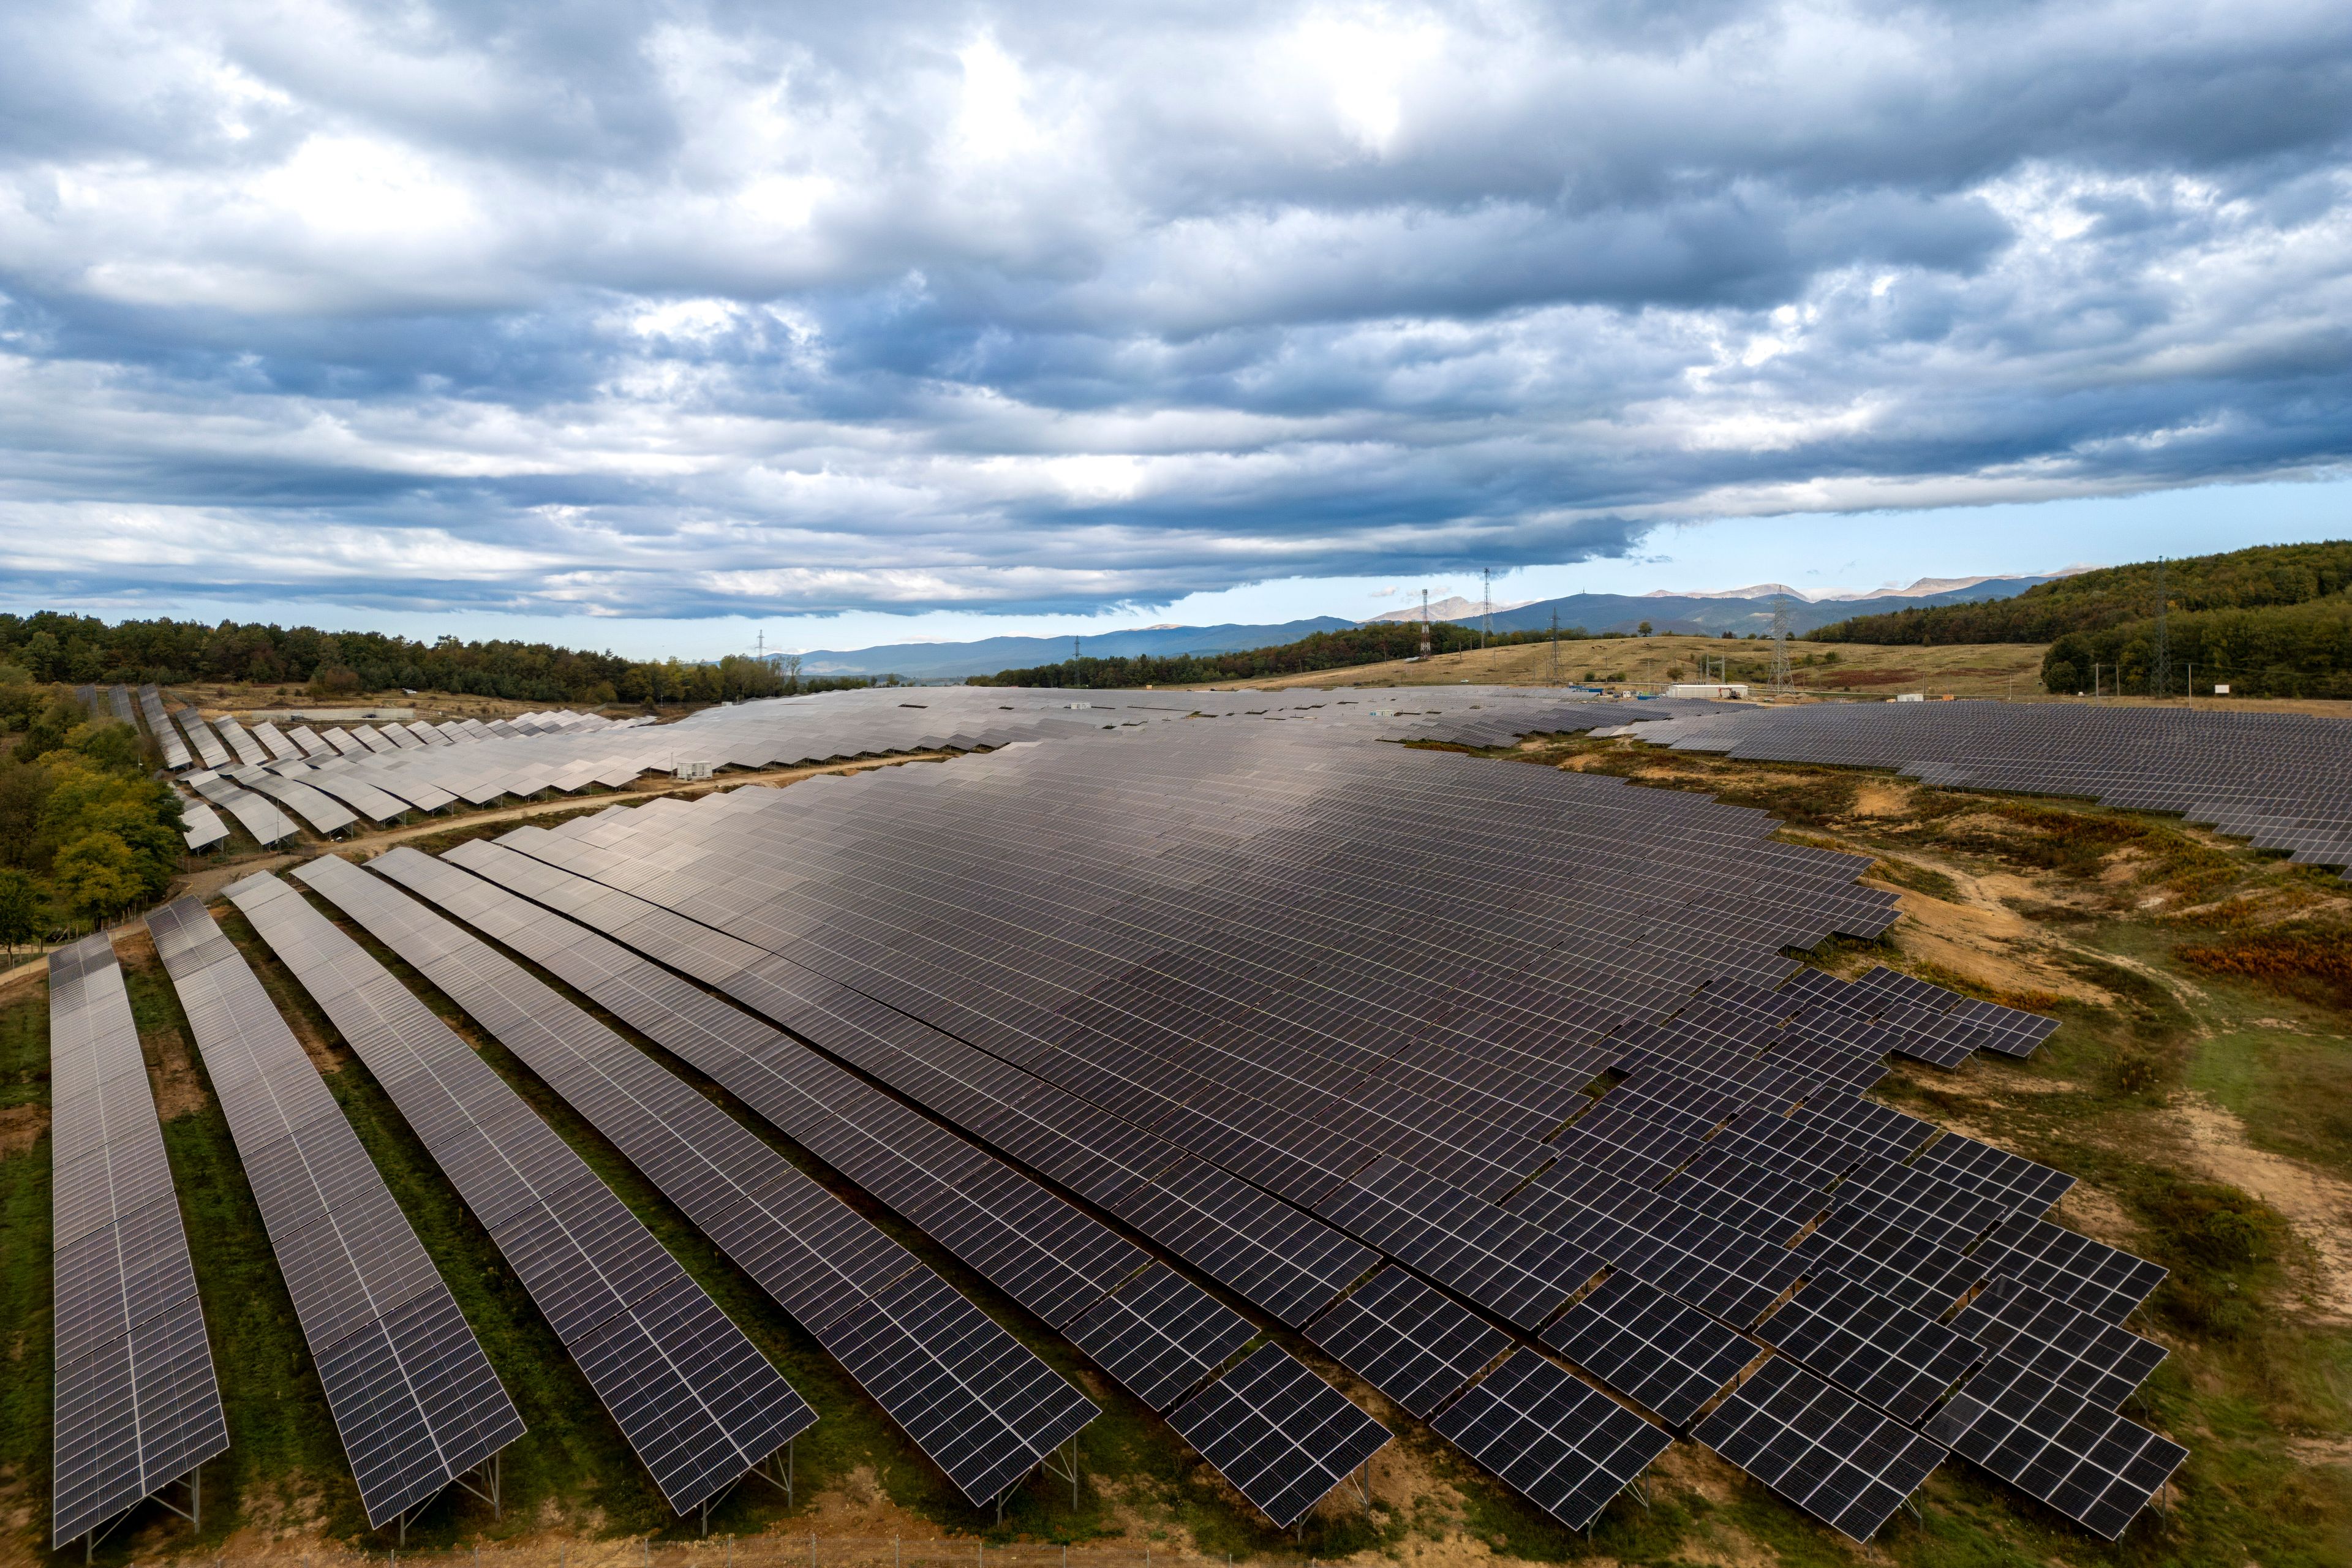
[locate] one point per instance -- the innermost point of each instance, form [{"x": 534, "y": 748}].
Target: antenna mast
[
  {"x": 1487, "y": 591},
  {"x": 1554, "y": 648},
  {"x": 1425, "y": 623}
]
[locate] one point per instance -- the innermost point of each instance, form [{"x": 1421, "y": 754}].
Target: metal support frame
[
  {"x": 1361, "y": 1477},
  {"x": 490, "y": 1490},
  {"x": 784, "y": 1459},
  {"x": 194, "y": 1514},
  {"x": 1066, "y": 1471}
]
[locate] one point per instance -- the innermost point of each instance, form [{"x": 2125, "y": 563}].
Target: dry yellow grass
[{"x": 1988, "y": 669}]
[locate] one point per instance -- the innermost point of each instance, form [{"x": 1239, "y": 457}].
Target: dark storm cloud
[{"x": 671, "y": 309}]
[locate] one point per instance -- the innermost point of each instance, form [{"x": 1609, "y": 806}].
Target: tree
[
  {"x": 23, "y": 791},
  {"x": 1641, "y": 630},
  {"x": 49, "y": 729},
  {"x": 20, "y": 910},
  {"x": 96, "y": 876},
  {"x": 112, "y": 745}
]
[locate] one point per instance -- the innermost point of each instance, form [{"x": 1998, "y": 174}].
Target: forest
[
  {"x": 76, "y": 650},
  {"x": 2278, "y": 650},
  {"x": 2265, "y": 577},
  {"x": 86, "y": 829}
]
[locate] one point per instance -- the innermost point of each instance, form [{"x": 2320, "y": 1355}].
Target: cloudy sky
[{"x": 849, "y": 321}]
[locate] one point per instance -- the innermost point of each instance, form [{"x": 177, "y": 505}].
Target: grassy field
[
  {"x": 2198, "y": 1085},
  {"x": 1995, "y": 669}
]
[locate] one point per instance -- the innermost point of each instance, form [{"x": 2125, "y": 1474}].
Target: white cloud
[{"x": 1021, "y": 307}]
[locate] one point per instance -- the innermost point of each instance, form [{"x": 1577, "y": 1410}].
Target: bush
[{"x": 2294, "y": 956}]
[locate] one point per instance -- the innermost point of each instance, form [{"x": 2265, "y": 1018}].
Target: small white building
[{"x": 1712, "y": 690}]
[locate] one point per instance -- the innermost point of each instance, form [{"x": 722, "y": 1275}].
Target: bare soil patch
[{"x": 2316, "y": 1204}]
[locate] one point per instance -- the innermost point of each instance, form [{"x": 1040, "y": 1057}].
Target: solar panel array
[
  {"x": 1160, "y": 1335},
  {"x": 415, "y": 1399},
  {"x": 258, "y": 815},
  {"x": 1168, "y": 967},
  {"x": 202, "y": 826},
  {"x": 970, "y": 1394},
  {"x": 695, "y": 1398},
  {"x": 1165, "y": 965},
  {"x": 201, "y": 736},
  {"x": 159, "y": 724},
  {"x": 136, "y": 1407},
  {"x": 2282, "y": 780}
]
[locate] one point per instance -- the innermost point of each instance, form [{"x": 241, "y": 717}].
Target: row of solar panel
[
  {"x": 1565, "y": 1484},
  {"x": 671, "y": 861},
  {"x": 2272, "y": 778}
]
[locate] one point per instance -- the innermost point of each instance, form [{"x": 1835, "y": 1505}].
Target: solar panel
[
  {"x": 1283, "y": 1436},
  {"x": 2080, "y": 1458},
  {"x": 414, "y": 1398},
  {"x": 2091, "y": 1275},
  {"x": 1827, "y": 1453},
  {"x": 1160, "y": 1335},
  {"x": 694, "y": 1397},
  {"x": 1513, "y": 1268},
  {"x": 2087, "y": 1356},
  {"x": 750, "y": 1201},
  {"x": 135, "y": 1405},
  {"x": 1561, "y": 1442},
  {"x": 1666, "y": 1357},
  {"x": 2022, "y": 1184},
  {"x": 1901, "y": 1361},
  {"x": 1407, "y": 1341},
  {"x": 968, "y": 1363},
  {"x": 1923, "y": 1275}
]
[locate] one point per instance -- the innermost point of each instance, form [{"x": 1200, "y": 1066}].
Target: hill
[
  {"x": 2266, "y": 576},
  {"x": 955, "y": 661},
  {"x": 1713, "y": 612},
  {"x": 2272, "y": 621}
]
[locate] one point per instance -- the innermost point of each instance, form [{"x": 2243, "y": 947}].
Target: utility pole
[
  {"x": 1780, "y": 644},
  {"x": 1425, "y": 623},
  {"x": 2163, "y": 650},
  {"x": 1487, "y": 578}
]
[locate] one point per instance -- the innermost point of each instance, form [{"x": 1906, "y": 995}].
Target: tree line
[
  {"x": 2265, "y": 577},
  {"x": 86, "y": 830},
  {"x": 83, "y": 649},
  {"x": 1376, "y": 642},
  {"x": 2279, "y": 650}
]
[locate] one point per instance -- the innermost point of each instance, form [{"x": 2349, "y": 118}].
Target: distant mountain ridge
[
  {"x": 955, "y": 661},
  {"x": 1711, "y": 615},
  {"x": 1738, "y": 611}
]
